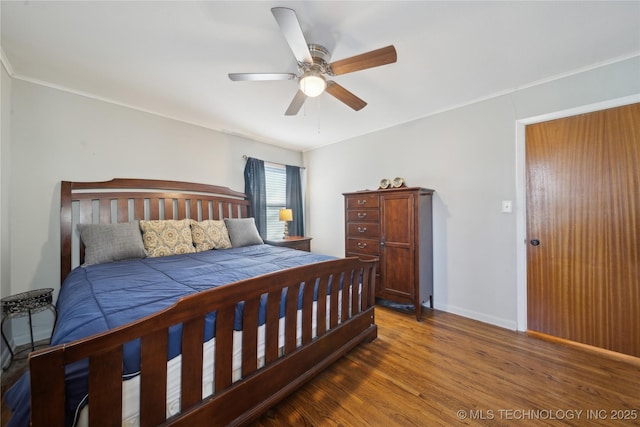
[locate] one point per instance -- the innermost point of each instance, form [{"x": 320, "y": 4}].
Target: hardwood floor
[{"x": 449, "y": 370}]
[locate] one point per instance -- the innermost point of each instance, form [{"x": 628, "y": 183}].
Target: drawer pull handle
[
  {"x": 362, "y": 201},
  {"x": 362, "y": 215},
  {"x": 362, "y": 245},
  {"x": 362, "y": 229}
]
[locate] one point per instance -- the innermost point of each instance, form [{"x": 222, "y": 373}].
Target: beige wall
[
  {"x": 58, "y": 136},
  {"x": 468, "y": 155}
]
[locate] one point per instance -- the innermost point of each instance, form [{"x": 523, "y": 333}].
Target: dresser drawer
[
  {"x": 366, "y": 258},
  {"x": 358, "y": 230},
  {"x": 363, "y": 201},
  {"x": 369, "y": 215},
  {"x": 363, "y": 246}
]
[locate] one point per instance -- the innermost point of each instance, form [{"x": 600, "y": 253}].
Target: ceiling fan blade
[
  {"x": 290, "y": 26},
  {"x": 375, "y": 58},
  {"x": 340, "y": 93},
  {"x": 296, "y": 103},
  {"x": 237, "y": 77}
]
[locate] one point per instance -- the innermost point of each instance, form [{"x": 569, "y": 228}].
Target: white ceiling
[{"x": 172, "y": 57}]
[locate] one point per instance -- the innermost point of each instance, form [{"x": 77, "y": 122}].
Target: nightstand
[{"x": 294, "y": 242}]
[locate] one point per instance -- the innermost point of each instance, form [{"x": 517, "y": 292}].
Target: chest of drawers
[{"x": 394, "y": 226}]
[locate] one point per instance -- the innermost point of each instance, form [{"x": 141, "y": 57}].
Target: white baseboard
[{"x": 481, "y": 317}]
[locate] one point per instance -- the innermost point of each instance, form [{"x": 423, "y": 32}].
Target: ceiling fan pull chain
[{"x": 318, "y": 113}]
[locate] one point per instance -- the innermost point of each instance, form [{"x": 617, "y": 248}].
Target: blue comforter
[{"x": 99, "y": 297}]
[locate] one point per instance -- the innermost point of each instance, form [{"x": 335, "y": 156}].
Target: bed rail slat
[
  {"x": 228, "y": 211},
  {"x": 123, "y": 210},
  {"x": 346, "y": 277},
  {"x": 47, "y": 385},
  {"x": 333, "y": 312},
  {"x": 224, "y": 340},
  {"x": 291, "y": 317},
  {"x": 66, "y": 231},
  {"x": 246, "y": 211},
  {"x": 365, "y": 291},
  {"x": 192, "y": 338},
  {"x": 250, "y": 336},
  {"x": 104, "y": 211},
  {"x": 307, "y": 310},
  {"x": 355, "y": 301},
  {"x": 167, "y": 208},
  {"x": 105, "y": 388},
  {"x": 85, "y": 216},
  {"x": 272, "y": 326},
  {"x": 196, "y": 213},
  {"x": 182, "y": 208},
  {"x": 153, "y": 378},
  {"x": 321, "y": 322},
  {"x": 138, "y": 209},
  {"x": 154, "y": 208}
]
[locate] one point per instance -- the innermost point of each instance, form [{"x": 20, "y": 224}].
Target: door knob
[{"x": 535, "y": 242}]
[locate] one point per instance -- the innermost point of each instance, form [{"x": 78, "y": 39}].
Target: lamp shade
[{"x": 286, "y": 214}]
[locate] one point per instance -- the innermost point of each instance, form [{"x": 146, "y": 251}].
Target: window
[{"x": 276, "y": 184}]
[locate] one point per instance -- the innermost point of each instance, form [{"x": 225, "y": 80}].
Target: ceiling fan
[{"x": 314, "y": 65}]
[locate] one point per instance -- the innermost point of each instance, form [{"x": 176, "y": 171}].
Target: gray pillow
[
  {"x": 243, "y": 232},
  {"x": 111, "y": 242}
]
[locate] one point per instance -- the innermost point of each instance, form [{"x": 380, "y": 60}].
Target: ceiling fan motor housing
[{"x": 320, "y": 56}]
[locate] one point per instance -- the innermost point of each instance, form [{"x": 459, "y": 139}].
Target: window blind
[{"x": 276, "y": 183}]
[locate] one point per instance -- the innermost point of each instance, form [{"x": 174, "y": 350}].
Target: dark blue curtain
[
  {"x": 294, "y": 200},
  {"x": 256, "y": 188}
]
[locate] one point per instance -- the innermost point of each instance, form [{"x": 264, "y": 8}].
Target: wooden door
[
  {"x": 583, "y": 227},
  {"x": 397, "y": 247}
]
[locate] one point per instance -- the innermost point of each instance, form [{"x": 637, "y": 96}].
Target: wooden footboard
[{"x": 351, "y": 320}]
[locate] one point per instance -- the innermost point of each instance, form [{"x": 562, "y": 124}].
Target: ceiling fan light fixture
[{"x": 312, "y": 83}]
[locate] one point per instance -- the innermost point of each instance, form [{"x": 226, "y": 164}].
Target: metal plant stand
[{"x": 25, "y": 304}]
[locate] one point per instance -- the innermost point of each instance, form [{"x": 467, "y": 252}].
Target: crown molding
[
  {"x": 257, "y": 138},
  {"x": 5, "y": 63},
  {"x": 112, "y": 101}
]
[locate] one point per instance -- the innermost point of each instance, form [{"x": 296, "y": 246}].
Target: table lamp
[{"x": 286, "y": 215}]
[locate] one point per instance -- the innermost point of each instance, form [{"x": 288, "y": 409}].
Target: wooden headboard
[{"x": 123, "y": 200}]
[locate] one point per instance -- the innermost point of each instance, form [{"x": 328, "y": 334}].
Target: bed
[{"x": 206, "y": 337}]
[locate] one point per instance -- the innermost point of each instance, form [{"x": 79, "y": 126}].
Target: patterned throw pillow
[
  {"x": 167, "y": 237},
  {"x": 210, "y": 234}
]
